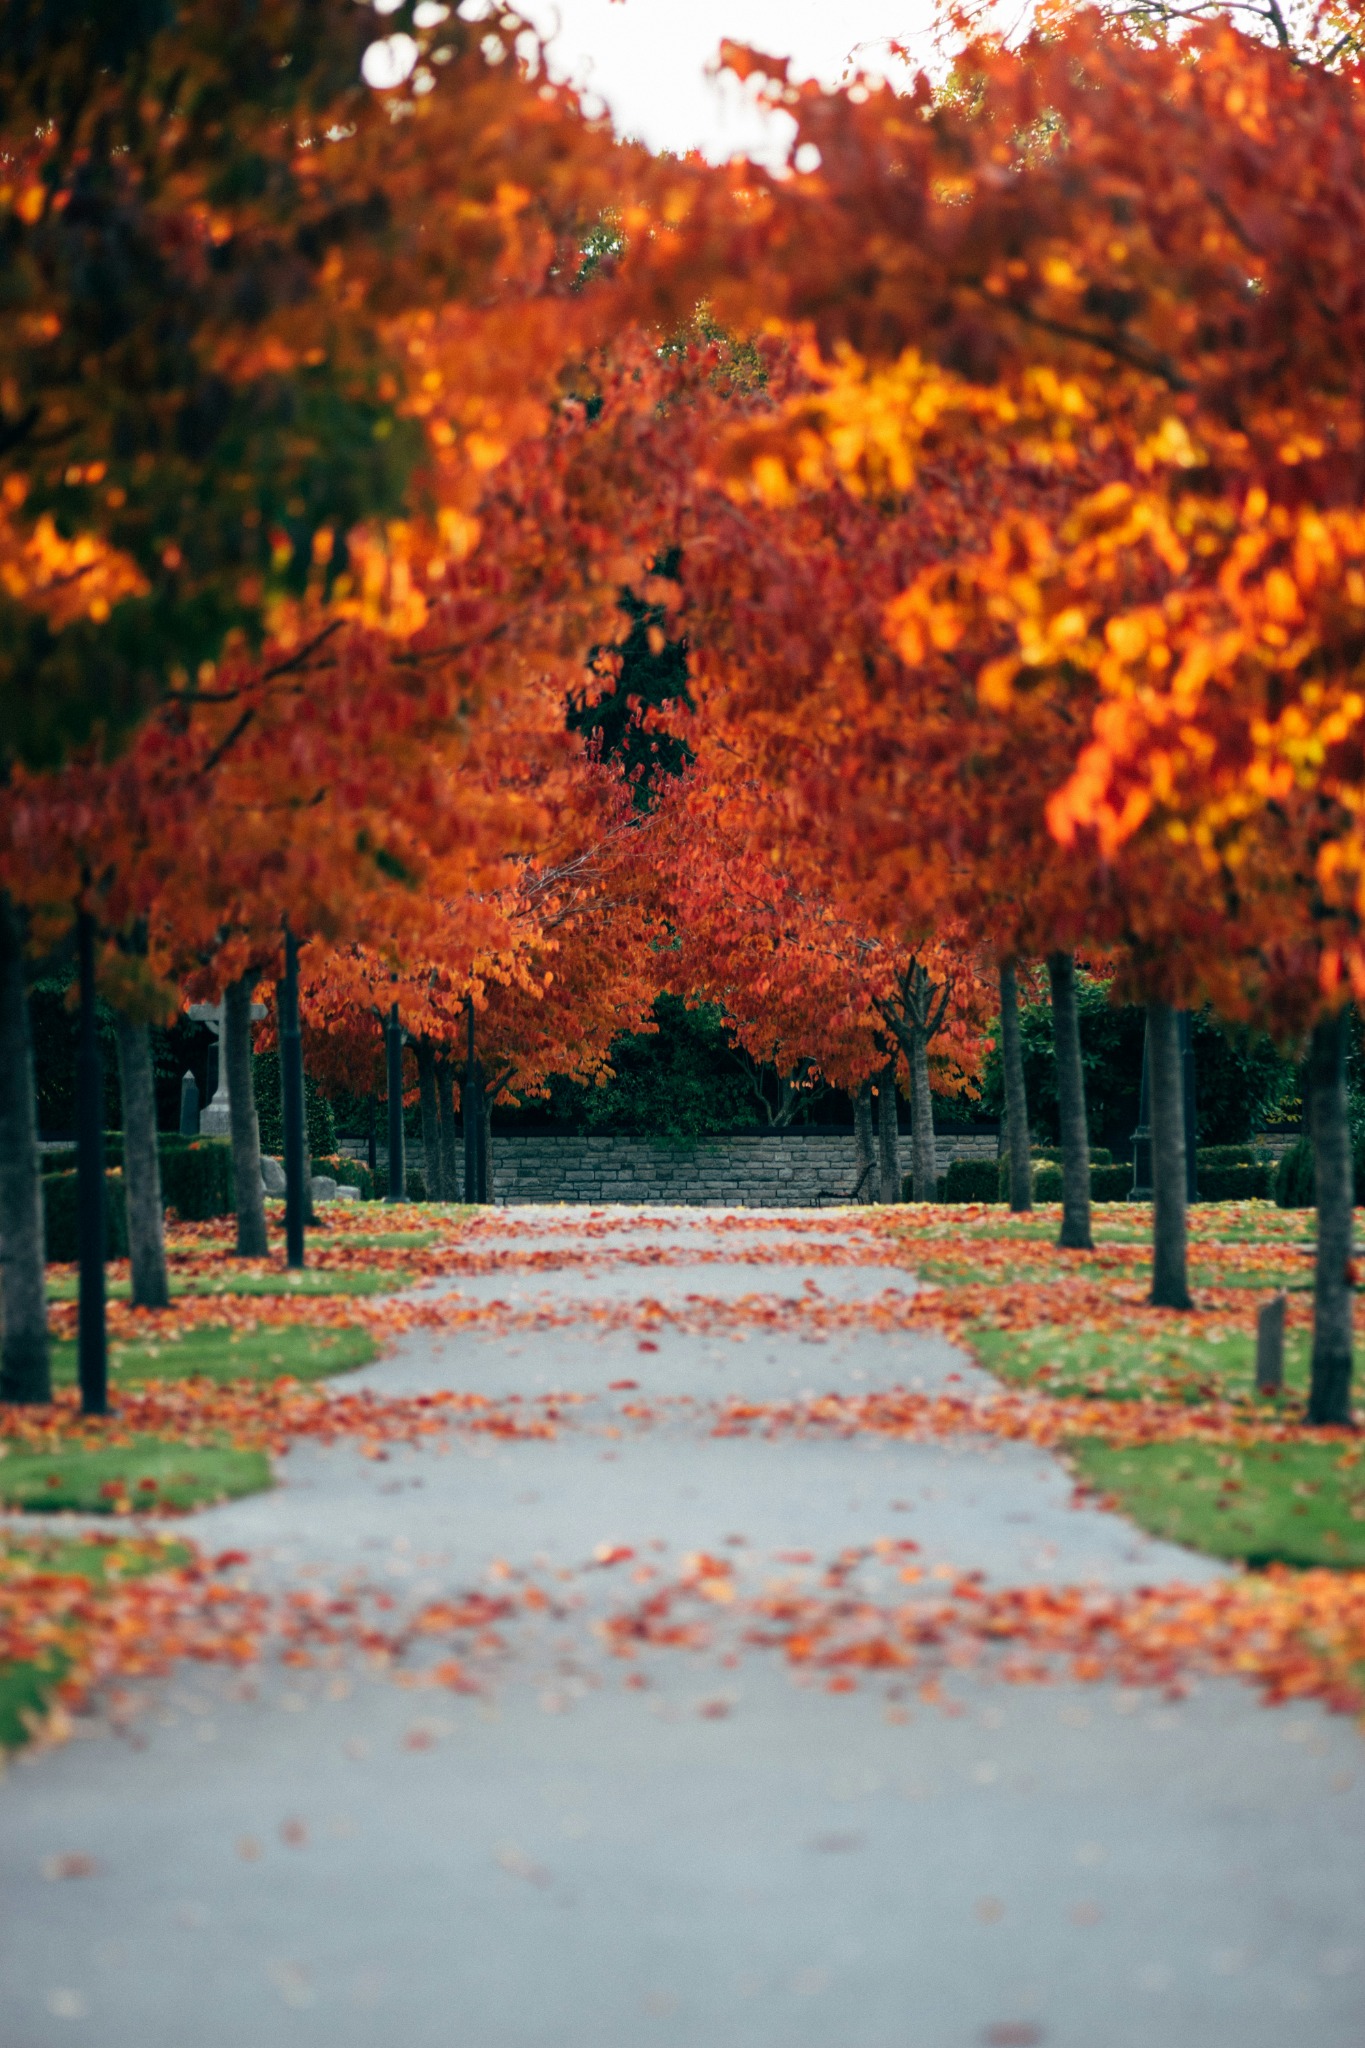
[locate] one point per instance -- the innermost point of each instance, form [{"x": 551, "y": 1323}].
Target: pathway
[{"x": 720, "y": 1857}]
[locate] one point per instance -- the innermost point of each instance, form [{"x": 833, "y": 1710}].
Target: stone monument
[{"x": 215, "y": 1118}]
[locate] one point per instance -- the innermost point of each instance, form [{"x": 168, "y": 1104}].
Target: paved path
[{"x": 725, "y": 1859}]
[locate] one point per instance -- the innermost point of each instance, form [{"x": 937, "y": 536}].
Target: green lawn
[
  {"x": 219, "y": 1353},
  {"x": 1127, "y": 1364},
  {"x": 1293, "y": 1503},
  {"x": 25, "y": 1688},
  {"x": 312, "y": 1280},
  {"x": 113, "y": 1479}
]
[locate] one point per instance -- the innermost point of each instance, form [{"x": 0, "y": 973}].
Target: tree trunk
[
  {"x": 1016, "y": 1097},
  {"x": 485, "y": 1144},
  {"x": 243, "y": 1128},
  {"x": 141, "y": 1166},
  {"x": 25, "y": 1374},
  {"x": 445, "y": 1119},
  {"x": 1329, "y": 1397},
  {"x": 431, "y": 1135},
  {"x": 292, "y": 1104},
  {"x": 1166, "y": 1081},
  {"x": 888, "y": 1136},
  {"x": 393, "y": 1034},
  {"x": 1066, "y": 1038},
  {"x": 865, "y": 1191},
  {"x": 923, "y": 1153}
]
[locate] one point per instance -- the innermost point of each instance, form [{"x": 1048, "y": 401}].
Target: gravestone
[
  {"x": 215, "y": 1119},
  {"x": 189, "y": 1107}
]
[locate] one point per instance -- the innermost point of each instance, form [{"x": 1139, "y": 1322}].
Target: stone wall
[{"x": 786, "y": 1169}]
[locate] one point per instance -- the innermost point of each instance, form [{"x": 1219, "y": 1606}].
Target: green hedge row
[
  {"x": 59, "y": 1217},
  {"x": 1294, "y": 1187}
]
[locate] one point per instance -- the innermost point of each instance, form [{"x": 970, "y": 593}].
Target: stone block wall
[{"x": 784, "y": 1169}]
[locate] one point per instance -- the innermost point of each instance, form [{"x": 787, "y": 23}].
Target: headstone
[
  {"x": 215, "y": 1119},
  {"x": 1270, "y": 1345},
  {"x": 322, "y": 1188},
  {"x": 189, "y": 1107},
  {"x": 346, "y": 1193},
  {"x": 272, "y": 1175}
]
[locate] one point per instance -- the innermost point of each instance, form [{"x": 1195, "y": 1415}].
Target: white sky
[{"x": 647, "y": 59}]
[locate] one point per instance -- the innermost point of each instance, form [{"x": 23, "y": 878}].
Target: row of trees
[{"x": 1003, "y": 592}]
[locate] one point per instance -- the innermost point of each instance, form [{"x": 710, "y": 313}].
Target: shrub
[
  {"x": 319, "y": 1123},
  {"x": 1099, "y": 1156},
  {"x": 1225, "y": 1155},
  {"x": 415, "y": 1185},
  {"x": 59, "y": 1216},
  {"x": 196, "y": 1178},
  {"x": 1108, "y": 1183},
  {"x": 347, "y": 1173},
  {"x": 1294, "y": 1177},
  {"x": 1236, "y": 1182},
  {"x": 971, "y": 1180}
]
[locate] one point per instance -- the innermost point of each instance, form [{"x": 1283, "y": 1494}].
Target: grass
[
  {"x": 222, "y": 1354},
  {"x": 65, "y": 1286},
  {"x": 1297, "y": 1504},
  {"x": 26, "y": 1688},
  {"x": 116, "y": 1478},
  {"x": 1126, "y": 1365}
]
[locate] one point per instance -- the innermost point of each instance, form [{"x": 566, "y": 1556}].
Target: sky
[{"x": 647, "y": 59}]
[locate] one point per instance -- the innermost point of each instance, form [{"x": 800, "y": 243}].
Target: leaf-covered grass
[
  {"x": 27, "y": 1686},
  {"x": 1290, "y": 1503},
  {"x": 223, "y": 1354},
  {"x": 1128, "y": 1364},
  {"x": 65, "y": 1286},
  {"x": 116, "y": 1479}
]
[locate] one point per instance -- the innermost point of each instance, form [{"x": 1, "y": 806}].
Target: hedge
[
  {"x": 1108, "y": 1183},
  {"x": 415, "y": 1185},
  {"x": 1294, "y": 1184},
  {"x": 59, "y": 1217},
  {"x": 1099, "y": 1156},
  {"x": 347, "y": 1173},
  {"x": 967, "y": 1180},
  {"x": 319, "y": 1121},
  {"x": 1248, "y": 1182},
  {"x": 196, "y": 1179},
  {"x": 1226, "y": 1155}
]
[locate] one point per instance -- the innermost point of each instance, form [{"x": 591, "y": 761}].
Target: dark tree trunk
[
  {"x": 141, "y": 1167},
  {"x": 1166, "y": 1081},
  {"x": 1016, "y": 1097},
  {"x": 445, "y": 1118},
  {"x": 865, "y": 1144},
  {"x": 1329, "y": 1397},
  {"x": 291, "y": 1105},
  {"x": 1066, "y": 1039},
  {"x": 25, "y": 1374},
  {"x": 485, "y": 1143},
  {"x": 888, "y": 1136},
  {"x": 243, "y": 1127},
  {"x": 372, "y": 1136},
  {"x": 93, "y": 1362},
  {"x": 397, "y": 1170},
  {"x": 923, "y": 1152},
  {"x": 431, "y": 1134}
]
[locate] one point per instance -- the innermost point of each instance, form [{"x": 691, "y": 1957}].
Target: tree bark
[
  {"x": 1329, "y": 1397},
  {"x": 25, "y": 1373},
  {"x": 923, "y": 1153},
  {"x": 485, "y": 1144},
  {"x": 1166, "y": 1081},
  {"x": 141, "y": 1166},
  {"x": 888, "y": 1136},
  {"x": 431, "y": 1134},
  {"x": 865, "y": 1144},
  {"x": 393, "y": 1039},
  {"x": 243, "y": 1128},
  {"x": 445, "y": 1118},
  {"x": 1066, "y": 1039},
  {"x": 1016, "y": 1097}
]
